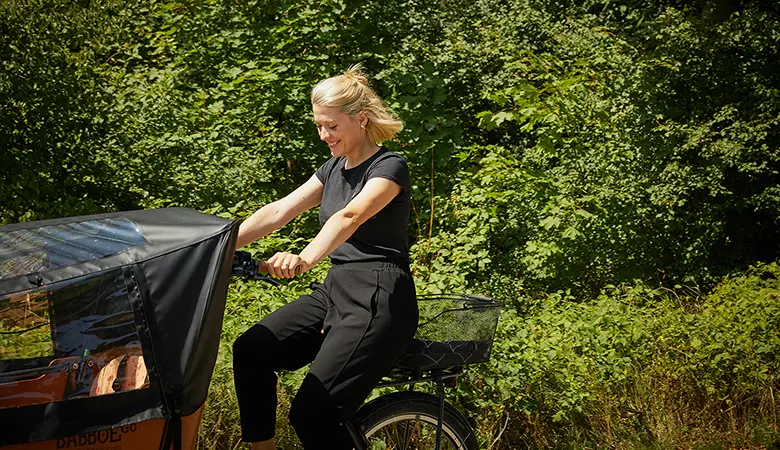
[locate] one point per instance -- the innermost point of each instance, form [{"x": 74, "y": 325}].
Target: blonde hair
[{"x": 351, "y": 94}]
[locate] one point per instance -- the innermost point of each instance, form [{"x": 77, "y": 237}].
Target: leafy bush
[
  {"x": 634, "y": 152},
  {"x": 556, "y": 148},
  {"x": 635, "y": 368}
]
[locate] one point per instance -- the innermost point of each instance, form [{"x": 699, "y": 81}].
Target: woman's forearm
[
  {"x": 277, "y": 214},
  {"x": 335, "y": 232},
  {"x": 264, "y": 221},
  {"x": 375, "y": 195}
]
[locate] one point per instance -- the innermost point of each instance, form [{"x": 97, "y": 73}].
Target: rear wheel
[{"x": 407, "y": 421}]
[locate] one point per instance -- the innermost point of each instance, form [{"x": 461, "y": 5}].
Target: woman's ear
[{"x": 363, "y": 119}]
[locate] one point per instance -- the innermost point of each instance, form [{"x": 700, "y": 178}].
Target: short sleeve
[
  {"x": 325, "y": 170},
  {"x": 393, "y": 167}
]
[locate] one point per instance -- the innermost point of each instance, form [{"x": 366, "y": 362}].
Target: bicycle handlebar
[{"x": 245, "y": 266}]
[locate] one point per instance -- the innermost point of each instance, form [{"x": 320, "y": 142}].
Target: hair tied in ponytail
[
  {"x": 352, "y": 95},
  {"x": 355, "y": 73}
]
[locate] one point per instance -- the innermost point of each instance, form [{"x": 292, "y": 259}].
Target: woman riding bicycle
[{"x": 353, "y": 327}]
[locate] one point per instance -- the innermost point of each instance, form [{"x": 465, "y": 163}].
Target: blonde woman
[{"x": 353, "y": 327}]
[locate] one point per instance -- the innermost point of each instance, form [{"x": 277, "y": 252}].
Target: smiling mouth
[{"x": 333, "y": 144}]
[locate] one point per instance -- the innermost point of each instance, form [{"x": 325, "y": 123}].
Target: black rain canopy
[{"x": 142, "y": 292}]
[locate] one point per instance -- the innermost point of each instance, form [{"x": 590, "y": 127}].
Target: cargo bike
[{"x": 110, "y": 326}]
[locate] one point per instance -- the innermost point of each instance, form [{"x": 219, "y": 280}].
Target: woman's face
[{"x": 341, "y": 132}]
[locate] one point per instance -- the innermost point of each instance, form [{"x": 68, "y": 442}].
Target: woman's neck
[{"x": 355, "y": 158}]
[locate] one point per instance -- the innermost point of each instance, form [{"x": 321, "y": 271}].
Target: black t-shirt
[{"x": 382, "y": 237}]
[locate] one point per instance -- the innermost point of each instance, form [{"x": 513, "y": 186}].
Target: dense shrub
[
  {"x": 558, "y": 149},
  {"x": 635, "y": 368},
  {"x": 613, "y": 150},
  {"x": 639, "y": 140}
]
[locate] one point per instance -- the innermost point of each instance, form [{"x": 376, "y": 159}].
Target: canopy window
[{"x": 52, "y": 247}]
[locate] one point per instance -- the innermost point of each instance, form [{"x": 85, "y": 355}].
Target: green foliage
[
  {"x": 577, "y": 160},
  {"x": 54, "y": 106},
  {"x": 18, "y": 343},
  {"x": 639, "y": 140},
  {"x": 732, "y": 343},
  {"x": 25, "y": 331},
  {"x": 630, "y": 153},
  {"x": 635, "y": 368}
]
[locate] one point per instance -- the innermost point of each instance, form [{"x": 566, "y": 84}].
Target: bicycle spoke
[
  {"x": 410, "y": 434},
  {"x": 406, "y": 435}
]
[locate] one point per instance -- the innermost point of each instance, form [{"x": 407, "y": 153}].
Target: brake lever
[{"x": 268, "y": 280}]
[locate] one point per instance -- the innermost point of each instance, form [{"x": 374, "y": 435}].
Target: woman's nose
[{"x": 323, "y": 134}]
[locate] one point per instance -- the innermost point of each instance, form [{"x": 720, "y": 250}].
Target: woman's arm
[
  {"x": 275, "y": 215},
  {"x": 374, "y": 196}
]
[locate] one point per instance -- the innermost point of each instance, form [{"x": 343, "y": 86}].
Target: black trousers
[{"x": 352, "y": 329}]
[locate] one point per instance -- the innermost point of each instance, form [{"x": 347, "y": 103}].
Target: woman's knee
[
  {"x": 313, "y": 410},
  {"x": 256, "y": 343}
]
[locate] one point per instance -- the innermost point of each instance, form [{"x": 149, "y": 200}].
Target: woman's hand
[{"x": 286, "y": 265}]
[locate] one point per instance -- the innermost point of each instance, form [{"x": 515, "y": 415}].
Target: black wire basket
[{"x": 454, "y": 330}]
